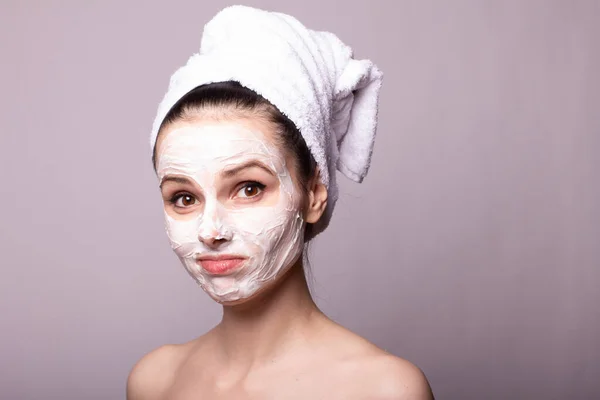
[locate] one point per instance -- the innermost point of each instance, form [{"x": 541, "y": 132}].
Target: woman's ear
[{"x": 317, "y": 199}]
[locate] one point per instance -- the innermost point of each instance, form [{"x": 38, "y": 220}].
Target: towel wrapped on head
[{"x": 310, "y": 76}]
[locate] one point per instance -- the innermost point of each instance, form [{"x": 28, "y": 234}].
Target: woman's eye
[
  {"x": 183, "y": 200},
  {"x": 250, "y": 189}
]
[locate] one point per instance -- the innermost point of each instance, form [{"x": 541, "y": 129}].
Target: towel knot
[{"x": 354, "y": 117}]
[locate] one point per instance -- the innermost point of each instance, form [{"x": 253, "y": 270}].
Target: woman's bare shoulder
[
  {"x": 155, "y": 372},
  {"x": 377, "y": 374},
  {"x": 391, "y": 377}
]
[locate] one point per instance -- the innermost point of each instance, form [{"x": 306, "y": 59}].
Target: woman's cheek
[
  {"x": 259, "y": 221},
  {"x": 182, "y": 234}
]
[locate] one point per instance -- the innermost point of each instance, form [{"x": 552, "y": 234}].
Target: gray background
[{"x": 472, "y": 249}]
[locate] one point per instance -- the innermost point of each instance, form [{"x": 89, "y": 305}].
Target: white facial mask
[{"x": 268, "y": 233}]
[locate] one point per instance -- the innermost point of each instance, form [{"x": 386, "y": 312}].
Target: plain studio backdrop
[{"x": 472, "y": 248}]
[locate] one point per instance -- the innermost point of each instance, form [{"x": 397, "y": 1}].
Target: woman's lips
[{"x": 220, "y": 265}]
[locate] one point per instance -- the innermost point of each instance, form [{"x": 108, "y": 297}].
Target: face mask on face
[{"x": 233, "y": 241}]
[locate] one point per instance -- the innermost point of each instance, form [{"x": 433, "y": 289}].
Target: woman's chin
[
  {"x": 232, "y": 302},
  {"x": 236, "y": 299},
  {"x": 245, "y": 295}
]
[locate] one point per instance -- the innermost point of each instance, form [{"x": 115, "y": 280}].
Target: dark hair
[{"x": 230, "y": 97}]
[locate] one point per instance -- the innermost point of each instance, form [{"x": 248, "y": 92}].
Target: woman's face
[{"x": 232, "y": 211}]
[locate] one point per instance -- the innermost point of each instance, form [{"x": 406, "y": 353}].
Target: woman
[{"x": 247, "y": 179}]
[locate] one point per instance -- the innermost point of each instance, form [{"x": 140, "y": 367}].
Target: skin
[{"x": 276, "y": 344}]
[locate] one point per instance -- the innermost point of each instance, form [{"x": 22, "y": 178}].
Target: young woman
[{"x": 244, "y": 188}]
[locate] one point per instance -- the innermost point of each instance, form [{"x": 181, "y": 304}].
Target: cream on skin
[{"x": 234, "y": 220}]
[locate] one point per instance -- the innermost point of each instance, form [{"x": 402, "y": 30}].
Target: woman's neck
[{"x": 259, "y": 329}]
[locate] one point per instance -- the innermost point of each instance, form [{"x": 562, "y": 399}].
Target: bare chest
[{"x": 284, "y": 384}]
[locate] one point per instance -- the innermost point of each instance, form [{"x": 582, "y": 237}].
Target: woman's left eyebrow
[{"x": 250, "y": 164}]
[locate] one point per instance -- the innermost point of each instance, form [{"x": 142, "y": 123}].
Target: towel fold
[{"x": 310, "y": 76}]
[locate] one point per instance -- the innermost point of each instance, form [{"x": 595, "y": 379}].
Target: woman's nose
[
  {"x": 212, "y": 238},
  {"x": 212, "y": 231}
]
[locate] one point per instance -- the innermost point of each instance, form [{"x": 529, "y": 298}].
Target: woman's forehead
[
  {"x": 201, "y": 145},
  {"x": 212, "y": 138}
]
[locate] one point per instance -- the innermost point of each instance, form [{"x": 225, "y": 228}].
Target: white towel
[{"x": 310, "y": 76}]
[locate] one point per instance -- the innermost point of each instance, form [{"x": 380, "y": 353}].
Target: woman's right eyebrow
[{"x": 176, "y": 179}]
